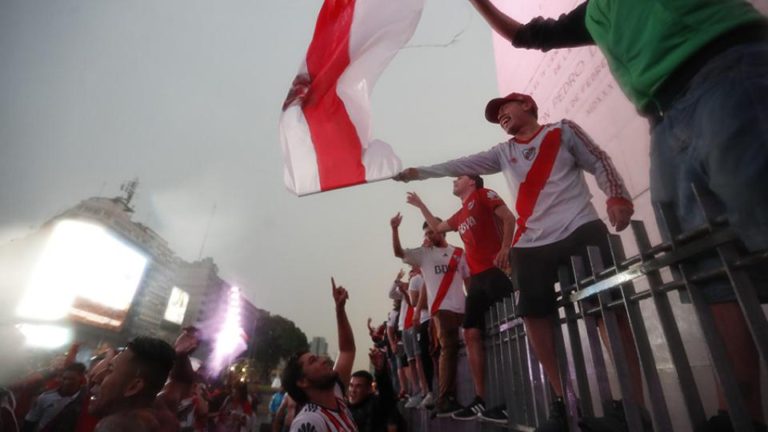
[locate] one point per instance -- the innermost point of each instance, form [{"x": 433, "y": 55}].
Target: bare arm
[
  {"x": 508, "y": 234},
  {"x": 499, "y": 22},
  {"x": 346, "y": 338},
  {"x": 397, "y": 247},
  {"x": 432, "y": 221},
  {"x": 421, "y": 302}
]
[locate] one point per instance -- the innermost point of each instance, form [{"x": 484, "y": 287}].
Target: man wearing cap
[{"x": 543, "y": 166}]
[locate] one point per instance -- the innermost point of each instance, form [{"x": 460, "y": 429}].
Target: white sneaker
[
  {"x": 428, "y": 401},
  {"x": 414, "y": 401}
]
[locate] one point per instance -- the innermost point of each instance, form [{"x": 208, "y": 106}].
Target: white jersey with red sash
[
  {"x": 315, "y": 418},
  {"x": 444, "y": 271},
  {"x": 546, "y": 177}
]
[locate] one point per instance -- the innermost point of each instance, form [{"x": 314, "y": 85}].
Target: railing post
[
  {"x": 577, "y": 351},
  {"x": 661, "y": 419},
  {"x": 593, "y": 338},
  {"x": 671, "y": 332},
  {"x": 616, "y": 346},
  {"x": 739, "y": 414}
]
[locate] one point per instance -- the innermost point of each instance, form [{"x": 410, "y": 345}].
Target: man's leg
[
  {"x": 447, "y": 324},
  {"x": 541, "y": 335},
  {"x": 476, "y": 354},
  {"x": 742, "y": 354},
  {"x": 630, "y": 353}
]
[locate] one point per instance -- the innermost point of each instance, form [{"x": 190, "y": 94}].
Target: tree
[{"x": 275, "y": 338}]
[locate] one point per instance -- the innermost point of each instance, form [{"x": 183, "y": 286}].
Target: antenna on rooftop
[
  {"x": 129, "y": 188},
  {"x": 207, "y": 229}
]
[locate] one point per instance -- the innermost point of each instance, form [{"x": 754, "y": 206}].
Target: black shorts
[
  {"x": 534, "y": 269},
  {"x": 485, "y": 289}
]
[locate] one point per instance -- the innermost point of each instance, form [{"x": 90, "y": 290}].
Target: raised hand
[
  {"x": 407, "y": 175},
  {"x": 413, "y": 199},
  {"x": 340, "y": 294},
  {"x": 395, "y": 221}
]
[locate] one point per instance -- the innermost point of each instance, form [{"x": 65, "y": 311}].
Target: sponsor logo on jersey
[
  {"x": 467, "y": 224},
  {"x": 441, "y": 269}
]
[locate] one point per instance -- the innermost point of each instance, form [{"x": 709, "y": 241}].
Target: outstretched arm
[
  {"x": 499, "y": 22},
  {"x": 395, "y": 224},
  {"x": 486, "y": 162},
  {"x": 346, "y": 338},
  {"x": 432, "y": 221}
]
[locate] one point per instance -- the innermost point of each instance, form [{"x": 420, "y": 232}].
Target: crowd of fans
[{"x": 148, "y": 385}]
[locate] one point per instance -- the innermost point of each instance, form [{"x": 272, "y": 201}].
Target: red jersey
[{"x": 479, "y": 228}]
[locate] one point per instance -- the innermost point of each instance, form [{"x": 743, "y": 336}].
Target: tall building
[
  {"x": 128, "y": 280},
  {"x": 318, "y": 346}
]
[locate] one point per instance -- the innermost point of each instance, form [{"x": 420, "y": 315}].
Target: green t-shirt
[{"x": 644, "y": 41}]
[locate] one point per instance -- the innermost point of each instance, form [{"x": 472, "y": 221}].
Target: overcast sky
[{"x": 186, "y": 95}]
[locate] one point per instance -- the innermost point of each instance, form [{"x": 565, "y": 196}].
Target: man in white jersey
[
  {"x": 317, "y": 386},
  {"x": 444, "y": 269},
  {"x": 544, "y": 167},
  {"x": 410, "y": 294}
]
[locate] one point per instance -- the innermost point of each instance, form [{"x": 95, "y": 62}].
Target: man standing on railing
[
  {"x": 485, "y": 225},
  {"x": 544, "y": 167},
  {"x": 698, "y": 71},
  {"x": 444, "y": 269}
]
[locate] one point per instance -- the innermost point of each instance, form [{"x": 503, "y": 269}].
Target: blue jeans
[{"x": 716, "y": 137}]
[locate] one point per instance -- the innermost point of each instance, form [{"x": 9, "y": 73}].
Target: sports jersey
[
  {"x": 315, "y": 418},
  {"x": 545, "y": 176},
  {"x": 405, "y": 318},
  {"x": 435, "y": 263},
  {"x": 479, "y": 228},
  {"x": 414, "y": 286},
  {"x": 392, "y": 318}
]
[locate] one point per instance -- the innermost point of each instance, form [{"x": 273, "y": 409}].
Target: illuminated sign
[
  {"x": 177, "y": 306},
  {"x": 84, "y": 272}
]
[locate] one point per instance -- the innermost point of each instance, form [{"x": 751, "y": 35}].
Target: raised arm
[
  {"x": 346, "y": 338},
  {"x": 508, "y": 234},
  {"x": 499, "y": 22},
  {"x": 432, "y": 221},
  {"x": 397, "y": 247}
]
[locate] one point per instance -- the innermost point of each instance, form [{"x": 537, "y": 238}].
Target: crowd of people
[
  {"x": 697, "y": 70},
  {"x": 148, "y": 385}
]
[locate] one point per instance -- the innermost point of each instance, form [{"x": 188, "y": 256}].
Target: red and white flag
[{"x": 325, "y": 128}]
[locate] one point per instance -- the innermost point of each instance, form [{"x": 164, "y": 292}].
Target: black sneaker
[
  {"x": 557, "y": 420},
  {"x": 614, "y": 420},
  {"x": 447, "y": 408},
  {"x": 722, "y": 423},
  {"x": 496, "y": 414},
  {"x": 472, "y": 411}
]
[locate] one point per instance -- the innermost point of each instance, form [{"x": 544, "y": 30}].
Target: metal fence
[{"x": 643, "y": 281}]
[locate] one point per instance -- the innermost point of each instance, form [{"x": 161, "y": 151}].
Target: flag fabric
[{"x": 325, "y": 127}]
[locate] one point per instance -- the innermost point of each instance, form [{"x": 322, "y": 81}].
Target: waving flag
[{"x": 325, "y": 128}]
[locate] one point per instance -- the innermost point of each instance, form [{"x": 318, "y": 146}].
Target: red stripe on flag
[
  {"x": 337, "y": 145},
  {"x": 535, "y": 180},
  {"x": 445, "y": 283}
]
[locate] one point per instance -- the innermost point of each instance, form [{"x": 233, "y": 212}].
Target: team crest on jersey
[
  {"x": 471, "y": 205},
  {"x": 492, "y": 195},
  {"x": 529, "y": 153}
]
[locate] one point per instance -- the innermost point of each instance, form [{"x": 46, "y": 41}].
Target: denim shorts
[{"x": 715, "y": 137}]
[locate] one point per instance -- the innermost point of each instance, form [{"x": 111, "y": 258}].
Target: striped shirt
[
  {"x": 316, "y": 418},
  {"x": 556, "y": 158}
]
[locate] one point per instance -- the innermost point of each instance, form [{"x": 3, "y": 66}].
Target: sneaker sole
[
  {"x": 465, "y": 418},
  {"x": 446, "y": 414},
  {"x": 493, "y": 420}
]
